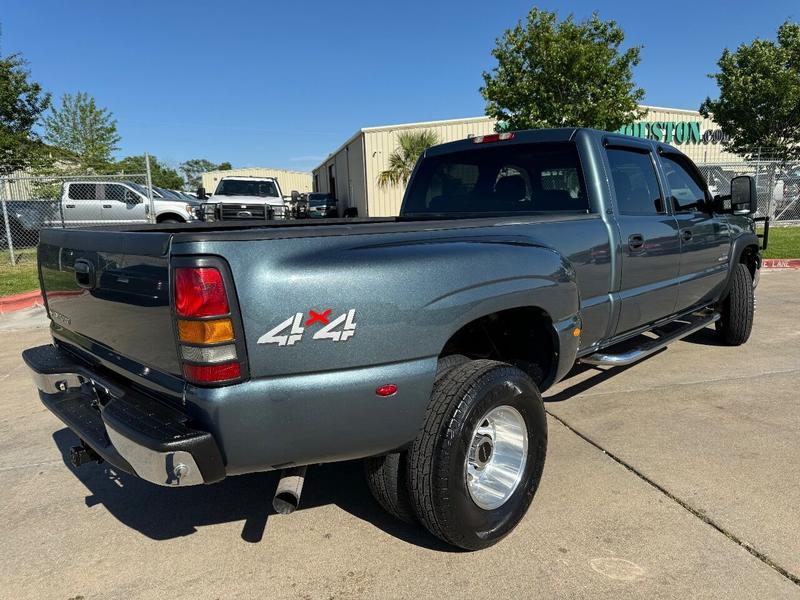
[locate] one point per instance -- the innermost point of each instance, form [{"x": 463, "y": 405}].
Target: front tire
[
  {"x": 737, "y": 310},
  {"x": 477, "y": 462}
]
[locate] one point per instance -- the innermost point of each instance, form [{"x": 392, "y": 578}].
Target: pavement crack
[{"x": 683, "y": 504}]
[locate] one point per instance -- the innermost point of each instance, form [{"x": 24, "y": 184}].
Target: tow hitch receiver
[{"x": 80, "y": 455}]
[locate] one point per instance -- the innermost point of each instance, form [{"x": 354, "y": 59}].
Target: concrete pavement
[{"x": 674, "y": 478}]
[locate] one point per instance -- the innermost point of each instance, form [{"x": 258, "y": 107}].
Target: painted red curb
[
  {"x": 17, "y": 302},
  {"x": 781, "y": 263}
]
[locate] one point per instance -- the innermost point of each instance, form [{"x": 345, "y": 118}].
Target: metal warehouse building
[
  {"x": 351, "y": 172},
  {"x": 288, "y": 180}
]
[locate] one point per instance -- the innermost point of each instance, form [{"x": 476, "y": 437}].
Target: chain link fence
[
  {"x": 777, "y": 185},
  {"x": 31, "y": 203}
]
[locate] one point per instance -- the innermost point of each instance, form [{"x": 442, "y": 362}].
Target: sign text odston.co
[{"x": 674, "y": 132}]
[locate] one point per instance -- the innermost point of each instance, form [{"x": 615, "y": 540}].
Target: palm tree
[{"x": 402, "y": 160}]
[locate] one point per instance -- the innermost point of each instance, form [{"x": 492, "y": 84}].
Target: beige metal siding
[
  {"x": 348, "y": 166},
  {"x": 357, "y": 178},
  {"x": 288, "y": 180},
  {"x": 382, "y": 141}
]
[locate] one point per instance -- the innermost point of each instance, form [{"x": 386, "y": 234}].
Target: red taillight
[
  {"x": 200, "y": 292},
  {"x": 493, "y": 137},
  {"x": 212, "y": 373}
]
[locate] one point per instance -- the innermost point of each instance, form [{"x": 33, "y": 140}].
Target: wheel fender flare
[{"x": 738, "y": 247}]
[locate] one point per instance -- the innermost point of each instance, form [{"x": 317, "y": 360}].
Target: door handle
[
  {"x": 686, "y": 235},
  {"x": 69, "y": 206},
  {"x": 636, "y": 241},
  {"x": 106, "y": 206}
]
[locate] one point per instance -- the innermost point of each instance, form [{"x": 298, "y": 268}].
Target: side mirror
[
  {"x": 744, "y": 200},
  {"x": 295, "y": 195}
]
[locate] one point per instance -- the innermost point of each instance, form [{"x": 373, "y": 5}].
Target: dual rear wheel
[{"x": 473, "y": 469}]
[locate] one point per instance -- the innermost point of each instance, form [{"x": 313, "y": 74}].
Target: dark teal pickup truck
[{"x": 420, "y": 343}]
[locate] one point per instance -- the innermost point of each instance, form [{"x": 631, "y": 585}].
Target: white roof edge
[
  {"x": 349, "y": 141},
  {"x": 426, "y": 124},
  {"x": 233, "y": 171},
  {"x": 675, "y": 110}
]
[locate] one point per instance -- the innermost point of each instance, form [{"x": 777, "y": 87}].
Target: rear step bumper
[
  {"x": 694, "y": 322},
  {"x": 131, "y": 431}
]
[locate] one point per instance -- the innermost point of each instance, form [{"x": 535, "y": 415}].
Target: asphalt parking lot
[{"x": 674, "y": 478}]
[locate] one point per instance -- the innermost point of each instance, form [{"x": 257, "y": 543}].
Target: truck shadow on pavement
[{"x": 165, "y": 513}]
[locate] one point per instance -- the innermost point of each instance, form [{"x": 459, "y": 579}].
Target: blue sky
[{"x": 284, "y": 83}]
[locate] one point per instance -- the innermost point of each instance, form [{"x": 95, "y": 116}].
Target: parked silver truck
[{"x": 121, "y": 202}]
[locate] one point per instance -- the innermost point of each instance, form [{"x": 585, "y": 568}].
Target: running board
[{"x": 696, "y": 322}]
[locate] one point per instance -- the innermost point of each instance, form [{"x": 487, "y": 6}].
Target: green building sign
[{"x": 674, "y": 132}]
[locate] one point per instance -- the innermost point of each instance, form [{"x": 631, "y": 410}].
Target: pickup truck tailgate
[{"x": 111, "y": 288}]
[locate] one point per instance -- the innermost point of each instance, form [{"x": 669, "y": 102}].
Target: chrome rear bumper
[{"x": 131, "y": 431}]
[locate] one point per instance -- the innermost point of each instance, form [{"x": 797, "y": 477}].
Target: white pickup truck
[{"x": 244, "y": 198}]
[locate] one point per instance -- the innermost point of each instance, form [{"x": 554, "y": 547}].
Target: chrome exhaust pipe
[{"x": 290, "y": 486}]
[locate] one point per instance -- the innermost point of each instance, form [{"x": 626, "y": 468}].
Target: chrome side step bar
[{"x": 695, "y": 322}]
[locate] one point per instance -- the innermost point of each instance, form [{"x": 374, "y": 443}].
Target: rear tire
[
  {"x": 387, "y": 475},
  {"x": 459, "y": 433},
  {"x": 386, "y": 479},
  {"x": 736, "y": 314},
  {"x": 448, "y": 363}
]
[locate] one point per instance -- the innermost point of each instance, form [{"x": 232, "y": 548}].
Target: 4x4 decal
[{"x": 291, "y": 331}]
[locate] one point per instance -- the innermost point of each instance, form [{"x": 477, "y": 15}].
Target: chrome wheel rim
[{"x": 496, "y": 457}]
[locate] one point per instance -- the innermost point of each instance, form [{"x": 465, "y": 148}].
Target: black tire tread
[
  {"x": 386, "y": 479},
  {"x": 736, "y": 320},
  {"x": 446, "y": 407},
  {"x": 448, "y": 363}
]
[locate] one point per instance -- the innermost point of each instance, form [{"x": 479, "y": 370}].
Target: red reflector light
[
  {"x": 493, "y": 137},
  {"x": 212, "y": 373},
  {"x": 387, "y": 390},
  {"x": 200, "y": 292}
]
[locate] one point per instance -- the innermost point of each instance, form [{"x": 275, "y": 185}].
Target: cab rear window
[{"x": 516, "y": 178}]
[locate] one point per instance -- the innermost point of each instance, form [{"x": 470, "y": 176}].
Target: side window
[
  {"x": 112, "y": 191},
  {"x": 82, "y": 191},
  {"x": 685, "y": 186},
  {"x": 635, "y": 182}
]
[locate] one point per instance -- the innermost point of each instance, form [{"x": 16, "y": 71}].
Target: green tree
[
  {"x": 410, "y": 144},
  {"x": 567, "y": 73},
  {"x": 84, "y": 129},
  {"x": 21, "y": 104},
  {"x": 759, "y": 95},
  {"x": 224, "y": 166},
  {"x": 193, "y": 170},
  {"x": 161, "y": 175}
]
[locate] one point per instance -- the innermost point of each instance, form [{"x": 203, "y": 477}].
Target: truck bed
[{"x": 243, "y": 230}]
